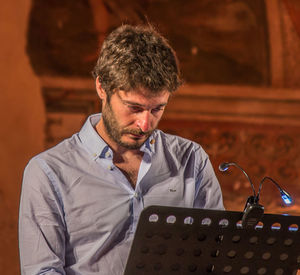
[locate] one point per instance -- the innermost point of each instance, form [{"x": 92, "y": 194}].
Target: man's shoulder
[
  {"x": 60, "y": 151},
  {"x": 71, "y": 146}
]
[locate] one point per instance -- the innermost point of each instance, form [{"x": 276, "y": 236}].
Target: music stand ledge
[{"x": 174, "y": 240}]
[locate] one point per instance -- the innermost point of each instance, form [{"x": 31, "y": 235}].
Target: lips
[{"x": 137, "y": 136}]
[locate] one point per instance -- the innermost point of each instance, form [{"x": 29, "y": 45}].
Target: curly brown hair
[{"x": 135, "y": 57}]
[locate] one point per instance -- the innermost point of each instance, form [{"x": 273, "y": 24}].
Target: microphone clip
[{"x": 252, "y": 213}]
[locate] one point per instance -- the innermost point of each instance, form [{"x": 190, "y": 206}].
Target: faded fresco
[{"x": 218, "y": 42}]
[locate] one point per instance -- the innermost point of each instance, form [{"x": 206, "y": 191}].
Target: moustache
[{"x": 137, "y": 132}]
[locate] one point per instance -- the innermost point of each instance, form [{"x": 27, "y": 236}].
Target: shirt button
[
  {"x": 136, "y": 194},
  {"x": 152, "y": 141}
]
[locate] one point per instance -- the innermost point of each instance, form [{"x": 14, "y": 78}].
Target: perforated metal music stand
[{"x": 173, "y": 240}]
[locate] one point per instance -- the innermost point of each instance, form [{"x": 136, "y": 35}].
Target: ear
[{"x": 101, "y": 93}]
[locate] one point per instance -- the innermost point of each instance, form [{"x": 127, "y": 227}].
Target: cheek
[
  {"x": 127, "y": 120},
  {"x": 156, "y": 120}
]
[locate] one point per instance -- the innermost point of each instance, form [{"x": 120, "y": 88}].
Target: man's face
[{"x": 129, "y": 118}]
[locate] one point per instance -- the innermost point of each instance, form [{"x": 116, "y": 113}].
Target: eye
[
  {"x": 156, "y": 110},
  {"x": 135, "y": 109}
]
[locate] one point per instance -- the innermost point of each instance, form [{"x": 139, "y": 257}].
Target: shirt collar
[
  {"x": 149, "y": 145},
  {"x": 91, "y": 140},
  {"x": 97, "y": 147}
]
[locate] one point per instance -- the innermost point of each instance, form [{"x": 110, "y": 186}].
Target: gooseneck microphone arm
[
  {"x": 253, "y": 211},
  {"x": 224, "y": 167},
  {"x": 286, "y": 197}
]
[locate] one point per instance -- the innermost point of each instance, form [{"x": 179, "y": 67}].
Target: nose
[{"x": 143, "y": 122}]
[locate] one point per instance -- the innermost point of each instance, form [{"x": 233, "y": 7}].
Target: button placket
[{"x": 137, "y": 208}]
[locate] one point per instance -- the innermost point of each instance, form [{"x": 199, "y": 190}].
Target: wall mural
[
  {"x": 218, "y": 43},
  {"x": 262, "y": 150},
  {"x": 62, "y": 39}
]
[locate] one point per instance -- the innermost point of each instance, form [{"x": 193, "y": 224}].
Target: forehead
[{"x": 144, "y": 97}]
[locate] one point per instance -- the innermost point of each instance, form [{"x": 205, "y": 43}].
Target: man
[{"x": 81, "y": 200}]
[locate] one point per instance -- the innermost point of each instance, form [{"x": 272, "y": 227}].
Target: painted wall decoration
[
  {"x": 62, "y": 39},
  {"x": 225, "y": 44},
  {"x": 262, "y": 150},
  {"x": 218, "y": 42}
]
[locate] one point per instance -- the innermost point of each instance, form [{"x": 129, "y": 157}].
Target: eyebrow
[{"x": 128, "y": 102}]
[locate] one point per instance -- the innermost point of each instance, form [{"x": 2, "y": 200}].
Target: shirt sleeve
[
  {"x": 41, "y": 223},
  {"x": 208, "y": 192}
]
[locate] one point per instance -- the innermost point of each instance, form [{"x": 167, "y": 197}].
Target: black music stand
[{"x": 173, "y": 240}]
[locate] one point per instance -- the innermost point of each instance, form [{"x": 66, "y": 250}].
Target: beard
[{"x": 116, "y": 132}]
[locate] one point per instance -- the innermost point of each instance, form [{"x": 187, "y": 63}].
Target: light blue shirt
[{"x": 78, "y": 212}]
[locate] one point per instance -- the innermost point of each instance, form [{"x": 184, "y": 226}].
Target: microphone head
[
  {"x": 286, "y": 197},
  {"x": 224, "y": 166}
]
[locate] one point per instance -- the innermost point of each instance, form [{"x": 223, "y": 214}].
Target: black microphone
[{"x": 252, "y": 211}]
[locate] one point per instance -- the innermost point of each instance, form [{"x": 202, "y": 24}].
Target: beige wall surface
[{"x": 22, "y": 121}]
